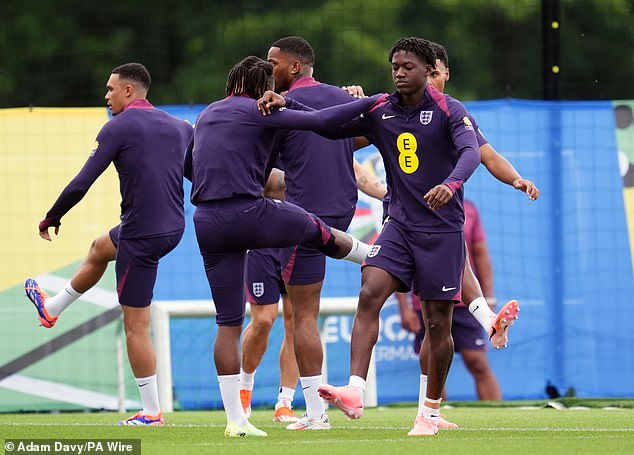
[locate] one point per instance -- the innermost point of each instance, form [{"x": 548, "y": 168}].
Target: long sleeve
[
  {"x": 465, "y": 141},
  {"x": 317, "y": 119},
  {"x": 97, "y": 163}
]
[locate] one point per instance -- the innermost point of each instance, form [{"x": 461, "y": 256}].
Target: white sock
[
  {"x": 359, "y": 383},
  {"x": 230, "y": 392},
  {"x": 422, "y": 392},
  {"x": 314, "y": 403},
  {"x": 432, "y": 413},
  {"x": 358, "y": 252},
  {"x": 480, "y": 310},
  {"x": 60, "y": 301},
  {"x": 246, "y": 380},
  {"x": 149, "y": 395},
  {"x": 286, "y": 394}
]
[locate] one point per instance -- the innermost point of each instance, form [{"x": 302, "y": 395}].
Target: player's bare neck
[{"x": 411, "y": 101}]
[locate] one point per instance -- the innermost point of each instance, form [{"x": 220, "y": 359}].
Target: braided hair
[{"x": 249, "y": 77}]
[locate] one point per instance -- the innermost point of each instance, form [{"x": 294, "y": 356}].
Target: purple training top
[
  {"x": 482, "y": 140},
  {"x": 318, "y": 172},
  {"x": 232, "y": 142},
  {"x": 147, "y": 147},
  {"x": 434, "y": 143}
]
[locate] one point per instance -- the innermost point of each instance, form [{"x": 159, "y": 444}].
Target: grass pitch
[{"x": 483, "y": 430}]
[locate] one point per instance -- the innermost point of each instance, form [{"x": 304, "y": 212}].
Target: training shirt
[
  {"x": 434, "y": 143},
  {"x": 481, "y": 141},
  {"x": 318, "y": 172},
  {"x": 147, "y": 147},
  {"x": 233, "y": 140}
]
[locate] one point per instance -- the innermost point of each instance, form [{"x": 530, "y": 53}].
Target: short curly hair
[
  {"x": 134, "y": 72},
  {"x": 298, "y": 47},
  {"x": 420, "y": 47}
]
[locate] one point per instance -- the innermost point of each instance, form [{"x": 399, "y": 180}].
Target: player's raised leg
[
  {"x": 102, "y": 251},
  {"x": 496, "y": 325}
]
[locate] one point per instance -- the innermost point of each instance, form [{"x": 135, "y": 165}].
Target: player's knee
[
  {"x": 262, "y": 325},
  {"x": 325, "y": 240},
  {"x": 102, "y": 250},
  {"x": 370, "y": 300},
  {"x": 437, "y": 328},
  {"x": 478, "y": 366}
]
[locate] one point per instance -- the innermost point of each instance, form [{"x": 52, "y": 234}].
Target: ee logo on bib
[{"x": 407, "y": 158}]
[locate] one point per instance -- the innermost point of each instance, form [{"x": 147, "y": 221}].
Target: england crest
[
  {"x": 258, "y": 289},
  {"x": 374, "y": 251},
  {"x": 425, "y": 117}
]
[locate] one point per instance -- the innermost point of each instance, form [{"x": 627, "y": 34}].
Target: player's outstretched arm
[
  {"x": 501, "y": 169},
  {"x": 367, "y": 182}
]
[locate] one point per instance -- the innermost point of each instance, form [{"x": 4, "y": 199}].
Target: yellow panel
[{"x": 41, "y": 150}]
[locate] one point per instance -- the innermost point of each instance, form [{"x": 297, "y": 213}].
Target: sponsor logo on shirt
[
  {"x": 374, "y": 251},
  {"x": 467, "y": 123},
  {"x": 385, "y": 116},
  {"x": 425, "y": 117},
  {"x": 94, "y": 149},
  {"x": 258, "y": 289}
]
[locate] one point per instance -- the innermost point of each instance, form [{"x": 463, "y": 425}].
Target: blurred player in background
[{"x": 147, "y": 148}]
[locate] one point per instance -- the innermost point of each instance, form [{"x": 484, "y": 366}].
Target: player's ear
[
  {"x": 448, "y": 75},
  {"x": 296, "y": 67}
]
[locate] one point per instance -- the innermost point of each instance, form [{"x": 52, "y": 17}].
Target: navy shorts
[
  {"x": 305, "y": 265},
  {"x": 136, "y": 266},
  {"x": 114, "y": 234},
  {"x": 466, "y": 331},
  {"x": 226, "y": 229},
  {"x": 429, "y": 263},
  {"x": 263, "y": 276}
]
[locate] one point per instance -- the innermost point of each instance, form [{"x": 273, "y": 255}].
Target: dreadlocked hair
[
  {"x": 249, "y": 77},
  {"x": 417, "y": 46}
]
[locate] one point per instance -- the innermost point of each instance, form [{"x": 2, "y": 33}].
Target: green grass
[{"x": 483, "y": 430}]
